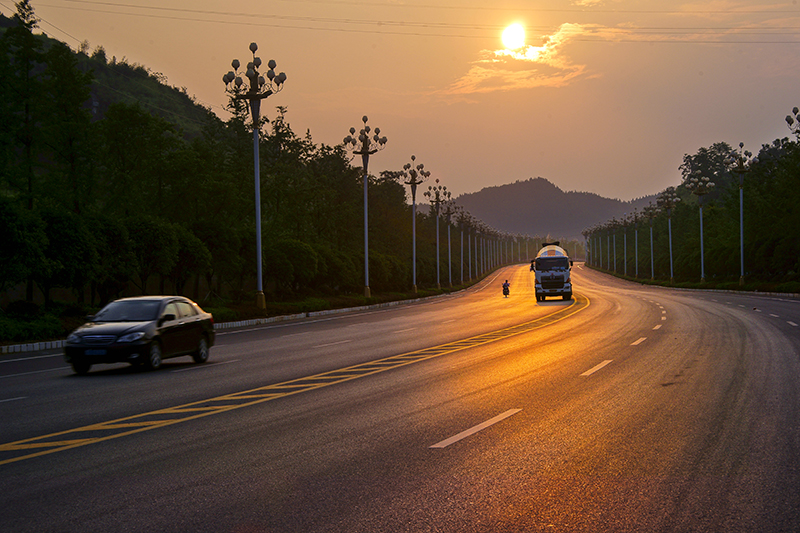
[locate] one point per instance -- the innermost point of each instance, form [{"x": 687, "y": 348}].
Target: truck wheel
[{"x": 568, "y": 296}]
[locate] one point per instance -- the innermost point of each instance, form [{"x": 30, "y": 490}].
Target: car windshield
[
  {"x": 552, "y": 263},
  {"x": 129, "y": 311}
]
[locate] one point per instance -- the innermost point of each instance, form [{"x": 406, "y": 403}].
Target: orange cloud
[{"x": 529, "y": 67}]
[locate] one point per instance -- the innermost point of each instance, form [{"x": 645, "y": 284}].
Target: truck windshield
[{"x": 552, "y": 263}]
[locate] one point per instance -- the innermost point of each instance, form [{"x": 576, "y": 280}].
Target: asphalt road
[{"x": 627, "y": 409}]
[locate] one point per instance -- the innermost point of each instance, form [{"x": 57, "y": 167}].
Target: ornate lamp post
[
  {"x": 437, "y": 194},
  {"x": 668, "y": 200},
  {"x": 256, "y": 90},
  {"x": 414, "y": 176},
  {"x": 636, "y": 241},
  {"x": 449, "y": 211},
  {"x": 700, "y": 185},
  {"x": 365, "y": 146},
  {"x": 740, "y": 162},
  {"x": 650, "y": 212}
]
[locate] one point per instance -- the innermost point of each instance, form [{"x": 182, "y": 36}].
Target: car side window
[
  {"x": 171, "y": 309},
  {"x": 186, "y": 309}
]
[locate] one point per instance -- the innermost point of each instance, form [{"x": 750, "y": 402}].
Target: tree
[
  {"x": 22, "y": 243},
  {"x": 155, "y": 247},
  {"x": 194, "y": 259}
]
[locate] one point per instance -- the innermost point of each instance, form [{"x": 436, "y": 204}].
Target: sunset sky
[{"x": 606, "y": 96}]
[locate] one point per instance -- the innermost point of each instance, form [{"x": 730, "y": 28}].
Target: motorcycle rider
[{"x": 506, "y": 286}]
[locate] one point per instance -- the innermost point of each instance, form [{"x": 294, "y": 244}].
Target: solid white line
[
  {"x": 596, "y": 368},
  {"x": 638, "y": 341},
  {"x": 32, "y": 358},
  {"x": 35, "y": 372},
  {"x": 212, "y": 365},
  {"x": 14, "y": 399},
  {"x": 657, "y": 327},
  {"x": 471, "y": 431},
  {"x": 292, "y": 335},
  {"x": 332, "y": 344}
]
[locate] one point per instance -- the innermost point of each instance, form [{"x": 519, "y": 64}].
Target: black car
[{"x": 141, "y": 331}]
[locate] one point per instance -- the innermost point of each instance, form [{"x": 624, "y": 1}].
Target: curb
[{"x": 52, "y": 345}]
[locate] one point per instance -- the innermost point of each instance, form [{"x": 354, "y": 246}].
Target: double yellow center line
[{"x": 114, "y": 429}]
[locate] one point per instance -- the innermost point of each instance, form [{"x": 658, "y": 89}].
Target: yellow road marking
[{"x": 113, "y": 429}]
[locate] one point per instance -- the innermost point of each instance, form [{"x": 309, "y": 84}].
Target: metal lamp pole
[
  {"x": 700, "y": 185},
  {"x": 669, "y": 200},
  {"x": 741, "y": 161},
  {"x": 258, "y": 89},
  {"x": 437, "y": 195},
  {"x": 412, "y": 173},
  {"x": 365, "y": 146}
]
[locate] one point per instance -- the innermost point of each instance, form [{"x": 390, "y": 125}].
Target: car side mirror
[
  {"x": 169, "y": 317},
  {"x": 89, "y": 318},
  {"x": 570, "y": 262}
]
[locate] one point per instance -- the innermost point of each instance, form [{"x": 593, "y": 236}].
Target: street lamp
[
  {"x": 415, "y": 175},
  {"x": 449, "y": 211},
  {"x": 668, "y": 200},
  {"x": 365, "y": 146},
  {"x": 700, "y": 185},
  {"x": 256, "y": 90},
  {"x": 740, "y": 162},
  {"x": 437, "y": 194},
  {"x": 650, "y": 212}
]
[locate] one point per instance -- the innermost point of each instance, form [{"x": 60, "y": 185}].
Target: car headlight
[
  {"x": 73, "y": 339},
  {"x": 131, "y": 337}
]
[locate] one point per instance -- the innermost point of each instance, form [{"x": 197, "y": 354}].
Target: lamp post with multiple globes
[
  {"x": 700, "y": 185},
  {"x": 256, "y": 89},
  {"x": 414, "y": 176},
  {"x": 740, "y": 164},
  {"x": 668, "y": 200},
  {"x": 437, "y": 194},
  {"x": 365, "y": 145}
]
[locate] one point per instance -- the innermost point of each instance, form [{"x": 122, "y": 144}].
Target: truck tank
[{"x": 552, "y": 268}]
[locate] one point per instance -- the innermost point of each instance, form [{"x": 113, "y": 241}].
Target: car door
[
  {"x": 191, "y": 327},
  {"x": 170, "y": 330}
]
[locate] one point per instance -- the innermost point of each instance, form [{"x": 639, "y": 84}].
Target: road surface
[{"x": 629, "y": 408}]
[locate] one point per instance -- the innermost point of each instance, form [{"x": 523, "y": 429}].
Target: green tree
[
  {"x": 194, "y": 259},
  {"x": 155, "y": 247},
  {"x": 22, "y": 243}
]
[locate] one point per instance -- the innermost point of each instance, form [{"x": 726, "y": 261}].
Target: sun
[{"x": 514, "y": 37}]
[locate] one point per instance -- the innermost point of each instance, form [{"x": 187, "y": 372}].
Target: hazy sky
[{"x": 607, "y": 95}]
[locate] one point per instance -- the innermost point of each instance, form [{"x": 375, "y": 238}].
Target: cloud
[{"x": 525, "y": 68}]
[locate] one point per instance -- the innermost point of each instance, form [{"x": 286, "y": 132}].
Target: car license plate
[{"x": 95, "y": 352}]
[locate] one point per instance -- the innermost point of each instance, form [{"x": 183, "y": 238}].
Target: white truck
[{"x": 552, "y": 268}]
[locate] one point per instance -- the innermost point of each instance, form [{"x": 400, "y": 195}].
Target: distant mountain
[{"x": 536, "y": 207}]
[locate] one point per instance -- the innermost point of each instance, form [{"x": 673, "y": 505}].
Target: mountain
[
  {"x": 538, "y": 207},
  {"x": 117, "y": 80}
]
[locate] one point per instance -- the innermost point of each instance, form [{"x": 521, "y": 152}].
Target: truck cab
[{"x": 552, "y": 268}]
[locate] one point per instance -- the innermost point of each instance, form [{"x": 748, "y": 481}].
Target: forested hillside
[{"x": 112, "y": 183}]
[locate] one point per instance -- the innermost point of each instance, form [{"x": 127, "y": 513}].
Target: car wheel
[
  {"x": 154, "y": 356},
  {"x": 568, "y": 297},
  {"x": 201, "y": 355},
  {"x": 81, "y": 367}
]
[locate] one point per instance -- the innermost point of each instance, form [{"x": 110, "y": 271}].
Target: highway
[{"x": 630, "y": 408}]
